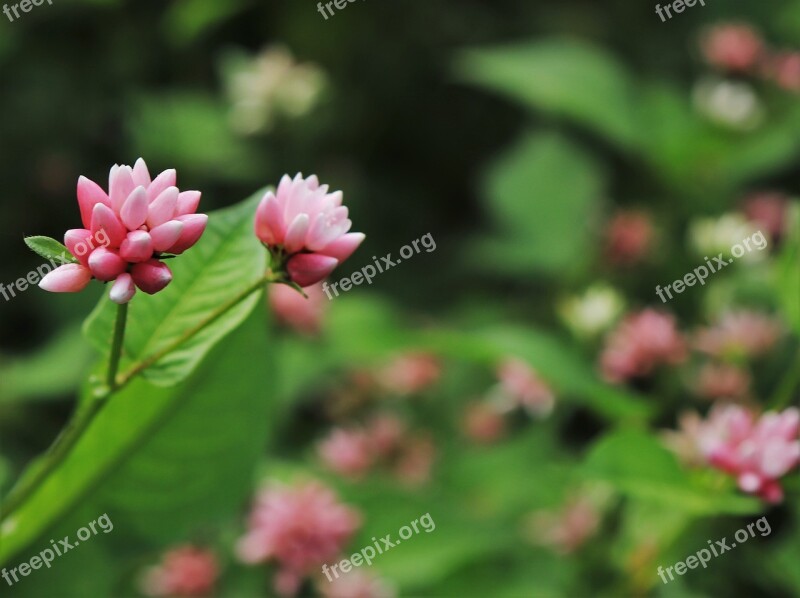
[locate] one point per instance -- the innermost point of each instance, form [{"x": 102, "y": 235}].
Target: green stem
[
  {"x": 83, "y": 418},
  {"x": 116, "y": 345}
]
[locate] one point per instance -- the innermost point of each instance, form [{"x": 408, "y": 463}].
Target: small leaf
[{"x": 50, "y": 249}]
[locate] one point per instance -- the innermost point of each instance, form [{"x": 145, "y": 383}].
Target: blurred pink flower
[
  {"x": 739, "y": 334},
  {"x": 768, "y": 211},
  {"x": 757, "y": 451},
  {"x": 521, "y": 386},
  {"x": 642, "y": 341},
  {"x": 629, "y": 237},
  {"x": 183, "y": 571},
  {"x": 567, "y": 529},
  {"x": 301, "y": 527},
  {"x": 347, "y": 452},
  {"x": 722, "y": 381},
  {"x": 126, "y": 231},
  {"x": 386, "y": 433},
  {"x": 356, "y": 584},
  {"x": 305, "y": 228},
  {"x": 784, "y": 68},
  {"x": 415, "y": 462},
  {"x": 410, "y": 373},
  {"x": 685, "y": 441},
  {"x": 297, "y": 312},
  {"x": 732, "y": 47},
  {"x": 482, "y": 423}
]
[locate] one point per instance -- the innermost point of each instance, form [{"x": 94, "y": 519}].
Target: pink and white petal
[
  {"x": 103, "y": 219},
  {"x": 77, "y": 241},
  {"x": 137, "y": 247},
  {"x": 343, "y": 247},
  {"x": 134, "y": 210},
  {"x": 163, "y": 181},
  {"x": 270, "y": 226},
  {"x": 306, "y": 269},
  {"x": 151, "y": 276},
  {"x": 141, "y": 176},
  {"x": 166, "y": 235},
  {"x": 123, "y": 289},
  {"x": 188, "y": 202},
  {"x": 163, "y": 207},
  {"x": 296, "y": 233},
  {"x": 194, "y": 225},
  {"x": 106, "y": 264},
  {"x": 121, "y": 187},
  {"x": 69, "y": 278},
  {"x": 89, "y": 194}
]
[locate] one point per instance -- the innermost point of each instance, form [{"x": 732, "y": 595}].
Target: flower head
[
  {"x": 758, "y": 451},
  {"x": 127, "y": 231},
  {"x": 739, "y": 334},
  {"x": 410, "y": 373},
  {"x": 629, "y": 237},
  {"x": 306, "y": 229},
  {"x": 183, "y": 571},
  {"x": 301, "y": 527},
  {"x": 641, "y": 342},
  {"x": 347, "y": 452},
  {"x": 356, "y": 584},
  {"x": 733, "y": 47},
  {"x": 521, "y": 386}
]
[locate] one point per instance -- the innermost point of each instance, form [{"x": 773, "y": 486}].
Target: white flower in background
[
  {"x": 733, "y": 104},
  {"x": 268, "y": 86},
  {"x": 593, "y": 312},
  {"x": 711, "y": 236}
]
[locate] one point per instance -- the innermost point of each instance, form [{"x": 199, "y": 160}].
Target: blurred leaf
[
  {"x": 55, "y": 370},
  {"x": 226, "y": 260},
  {"x": 544, "y": 195},
  {"x": 50, "y": 249},
  {"x": 636, "y": 464},
  {"x": 185, "y": 454},
  {"x": 192, "y": 131},
  {"x": 187, "y": 20},
  {"x": 565, "y": 77}
]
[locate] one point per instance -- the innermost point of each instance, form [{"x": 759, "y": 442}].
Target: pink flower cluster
[
  {"x": 521, "y": 386},
  {"x": 567, "y": 529},
  {"x": 639, "y": 344},
  {"x": 384, "y": 441},
  {"x": 629, "y": 237},
  {"x": 183, "y": 571},
  {"x": 356, "y": 584},
  {"x": 304, "y": 315},
  {"x": 142, "y": 218},
  {"x": 739, "y": 48},
  {"x": 758, "y": 451},
  {"x": 409, "y": 373},
  {"x": 300, "y": 527},
  {"x": 739, "y": 334},
  {"x": 306, "y": 229}
]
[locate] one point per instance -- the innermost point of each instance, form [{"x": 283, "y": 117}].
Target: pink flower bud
[
  {"x": 308, "y": 268},
  {"x": 137, "y": 247},
  {"x": 343, "y": 247},
  {"x": 120, "y": 187},
  {"x": 69, "y": 278},
  {"x": 166, "y": 235},
  {"x": 188, "y": 202},
  {"x": 106, "y": 264},
  {"x": 123, "y": 289},
  {"x": 160, "y": 184},
  {"x": 134, "y": 210},
  {"x": 151, "y": 276},
  {"x": 104, "y": 219},
  {"x": 90, "y": 194},
  {"x": 193, "y": 227},
  {"x": 163, "y": 207},
  {"x": 141, "y": 176},
  {"x": 77, "y": 241}
]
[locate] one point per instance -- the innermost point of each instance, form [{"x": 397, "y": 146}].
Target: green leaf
[
  {"x": 227, "y": 260},
  {"x": 163, "y": 461},
  {"x": 50, "y": 249},
  {"x": 563, "y": 77},
  {"x": 545, "y": 216},
  {"x": 636, "y": 464}
]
